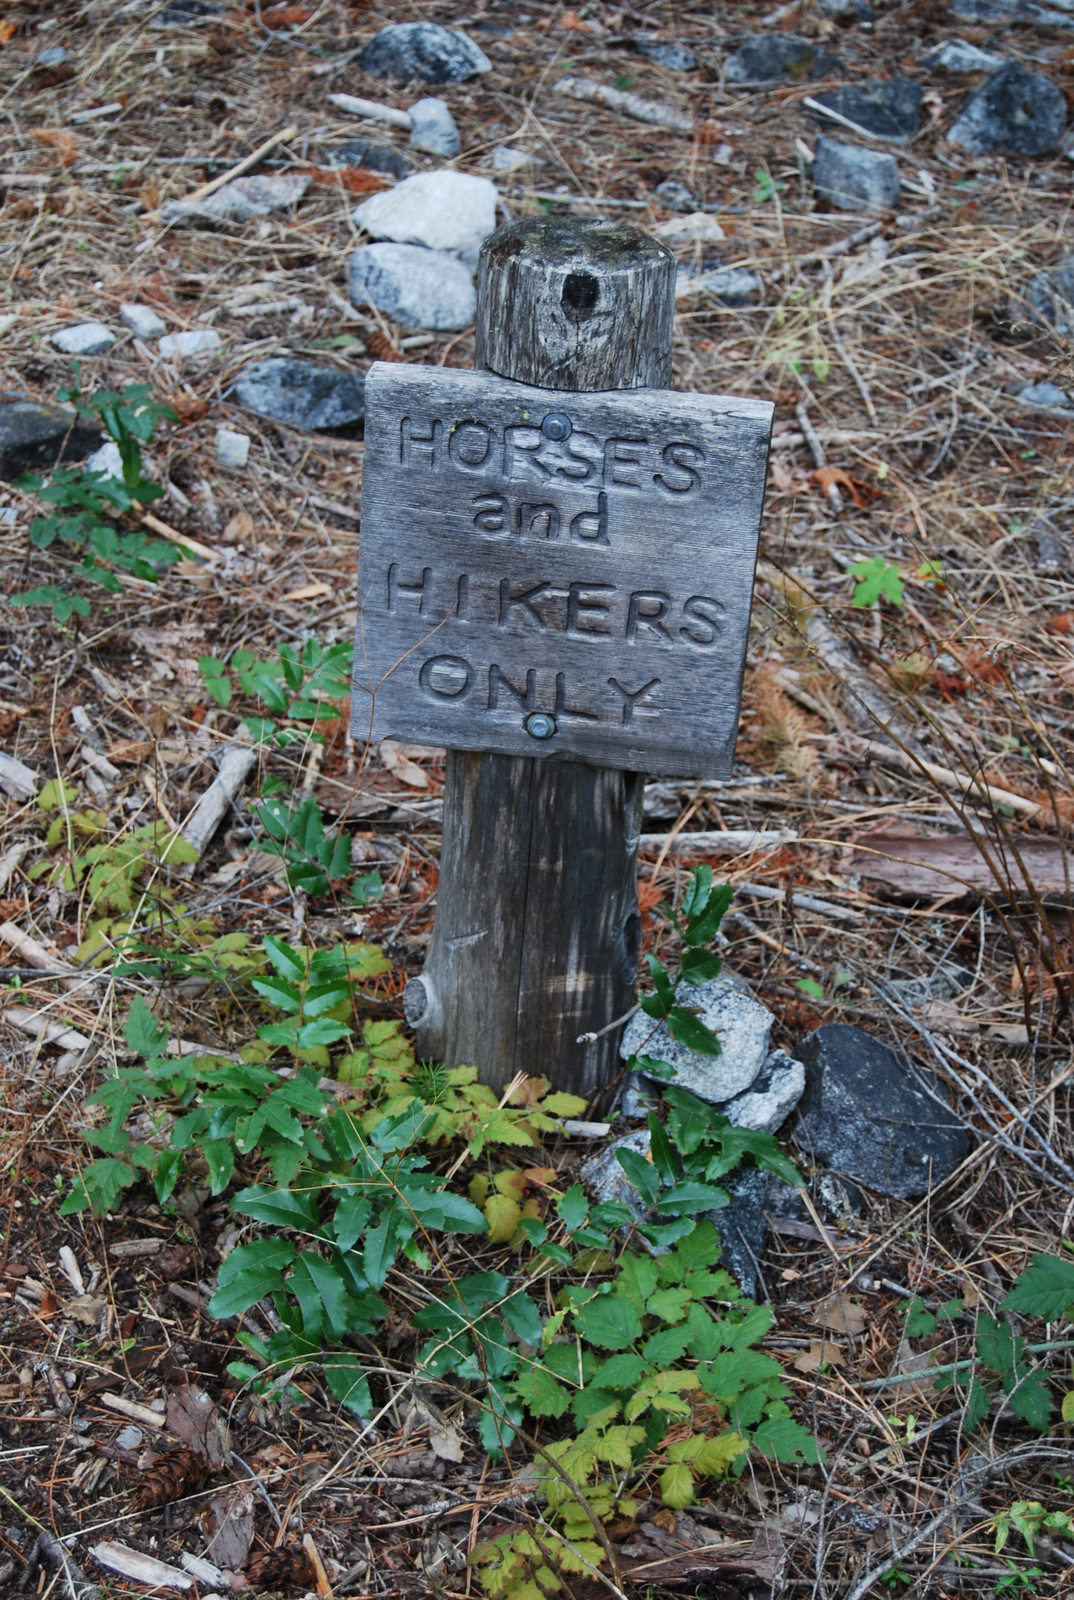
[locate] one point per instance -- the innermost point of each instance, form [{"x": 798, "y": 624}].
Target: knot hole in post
[{"x": 581, "y": 291}]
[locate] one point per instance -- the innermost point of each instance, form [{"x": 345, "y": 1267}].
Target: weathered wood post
[{"x": 547, "y": 587}]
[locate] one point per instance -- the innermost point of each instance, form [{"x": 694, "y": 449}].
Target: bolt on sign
[{"x": 564, "y": 574}]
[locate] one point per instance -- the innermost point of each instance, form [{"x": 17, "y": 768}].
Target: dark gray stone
[
  {"x": 1049, "y": 297},
  {"x": 187, "y": 14},
  {"x": 374, "y": 157},
  {"x": 732, "y": 286},
  {"x": 1052, "y": 553},
  {"x": 888, "y": 108},
  {"x": 665, "y": 53},
  {"x": 868, "y": 1114},
  {"x": 955, "y": 55},
  {"x": 409, "y": 51},
  {"x": 770, "y": 58},
  {"x": 853, "y": 179},
  {"x": 743, "y": 1226},
  {"x": 302, "y": 394},
  {"x": 33, "y": 437},
  {"x": 847, "y": 10},
  {"x": 1013, "y": 110}
]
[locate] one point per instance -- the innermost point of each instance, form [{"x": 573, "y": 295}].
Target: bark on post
[{"x": 537, "y": 929}]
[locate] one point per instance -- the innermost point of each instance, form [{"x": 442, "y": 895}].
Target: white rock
[
  {"x": 955, "y": 55},
  {"x": 85, "y": 339},
  {"x": 698, "y": 227},
  {"x": 772, "y": 1096},
  {"x": 419, "y": 288},
  {"x": 504, "y": 159},
  {"x": 741, "y": 1024},
  {"x": 191, "y": 343},
  {"x": 443, "y": 210},
  {"x": 142, "y": 321},
  {"x": 232, "y": 448},
  {"x": 107, "y": 460},
  {"x": 433, "y": 127},
  {"x": 239, "y": 200}
]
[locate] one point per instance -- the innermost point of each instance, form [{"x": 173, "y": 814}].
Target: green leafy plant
[
  {"x": 315, "y": 860},
  {"x": 1029, "y": 1518},
  {"x": 302, "y": 686},
  {"x": 697, "y": 923},
  {"x": 875, "y": 577},
  {"x": 88, "y": 504},
  {"x": 765, "y": 187}
]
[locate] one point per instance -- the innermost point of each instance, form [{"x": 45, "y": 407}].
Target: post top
[{"x": 590, "y": 242}]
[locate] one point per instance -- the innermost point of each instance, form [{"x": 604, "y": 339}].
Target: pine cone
[
  {"x": 380, "y": 347},
  {"x": 172, "y": 1475},
  {"x": 288, "y": 1568}
]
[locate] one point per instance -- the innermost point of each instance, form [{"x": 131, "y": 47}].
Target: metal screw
[
  {"x": 557, "y": 427},
  {"x": 539, "y": 725}
]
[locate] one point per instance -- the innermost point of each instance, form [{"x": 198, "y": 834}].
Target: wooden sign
[{"x": 557, "y": 574}]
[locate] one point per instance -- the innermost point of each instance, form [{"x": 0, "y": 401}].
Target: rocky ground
[{"x": 241, "y": 208}]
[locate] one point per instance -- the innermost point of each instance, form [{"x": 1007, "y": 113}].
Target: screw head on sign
[
  {"x": 539, "y": 725},
  {"x": 557, "y": 427}
]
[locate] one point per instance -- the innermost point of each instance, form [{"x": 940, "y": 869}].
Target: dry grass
[{"x": 906, "y": 363}]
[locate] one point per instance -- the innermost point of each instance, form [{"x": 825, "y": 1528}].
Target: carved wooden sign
[{"x": 560, "y": 574}]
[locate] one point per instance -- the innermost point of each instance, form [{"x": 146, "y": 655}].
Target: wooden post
[{"x": 537, "y": 930}]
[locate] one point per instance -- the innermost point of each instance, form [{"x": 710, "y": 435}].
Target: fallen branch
[
  {"x": 239, "y": 168},
  {"x": 727, "y": 842},
  {"x": 630, "y": 105},
  {"x": 373, "y": 111},
  {"x": 917, "y": 766}
]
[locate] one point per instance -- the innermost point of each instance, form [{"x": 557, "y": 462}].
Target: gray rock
[
  {"x": 1005, "y": 11},
  {"x": 301, "y": 394},
  {"x": 1052, "y": 552},
  {"x": 771, "y": 58},
  {"x": 84, "y": 339},
  {"x": 607, "y": 1180},
  {"x": 665, "y": 53},
  {"x": 772, "y": 1096},
  {"x": 418, "y": 288},
  {"x": 107, "y": 460},
  {"x": 142, "y": 321},
  {"x": 955, "y": 55},
  {"x": 888, "y": 108},
  {"x": 1049, "y": 297},
  {"x": 852, "y": 179},
  {"x": 741, "y": 1024},
  {"x": 734, "y": 286},
  {"x": 55, "y": 56},
  {"x": 504, "y": 159},
  {"x": 129, "y": 1438},
  {"x": 34, "y": 438},
  {"x": 442, "y": 210},
  {"x": 743, "y": 1226},
  {"x": 238, "y": 201},
  {"x": 676, "y": 196},
  {"x": 1013, "y": 110},
  {"x": 187, "y": 14},
  {"x": 836, "y": 1198},
  {"x": 409, "y": 51},
  {"x": 869, "y": 1115},
  {"x": 847, "y": 10},
  {"x": 374, "y": 157},
  {"x": 232, "y": 448},
  {"x": 194, "y": 342},
  {"x": 1045, "y": 394},
  {"x": 636, "y": 1099},
  {"x": 434, "y": 128}
]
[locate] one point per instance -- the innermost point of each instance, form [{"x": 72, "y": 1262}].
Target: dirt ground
[{"x": 908, "y": 351}]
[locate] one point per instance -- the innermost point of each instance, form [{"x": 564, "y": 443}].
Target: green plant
[
  {"x": 896, "y": 1578},
  {"x": 304, "y": 687},
  {"x": 314, "y": 860},
  {"x": 697, "y": 923},
  {"x": 88, "y": 503},
  {"x": 1029, "y": 1518},
  {"x": 875, "y": 577},
  {"x": 765, "y": 187},
  {"x": 1018, "y": 1578}
]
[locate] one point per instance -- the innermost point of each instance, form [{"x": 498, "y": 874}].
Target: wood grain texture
[{"x": 537, "y": 926}]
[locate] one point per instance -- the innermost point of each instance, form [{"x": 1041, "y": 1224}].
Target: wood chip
[
  {"x": 139, "y": 1568},
  {"x": 131, "y": 1408},
  {"x": 131, "y": 1249}
]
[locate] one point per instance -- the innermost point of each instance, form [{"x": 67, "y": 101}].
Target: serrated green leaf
[
  {"x": 677, "y": 1486},
  {"x": 689, "y": 1030},
  {"x": 502, "y": 1214},
  {"x": 248, "y": 1273},
  {"x": 609, "y": 1322},
  {"x": 1045, "y": 1289},
  {"x": 144, "y": 1034},
  {"x": 348, "y": 1382},
  {"x": 544, "y": 1396},
  {"x": 783, "y": 1439}
]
